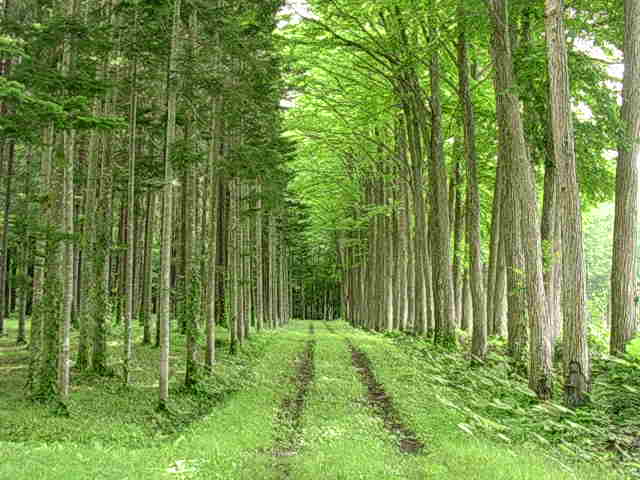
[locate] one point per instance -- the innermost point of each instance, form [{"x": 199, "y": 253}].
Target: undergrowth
[
  {"x": 497, "y": 402},
  {"x": 102, "y": 411}
]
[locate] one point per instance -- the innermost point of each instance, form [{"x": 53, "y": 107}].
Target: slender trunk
[
  {"x": 167, "y": 223},
  {"x": 259, "y": 260},
  {"x": 131, "y": 209},
  {"x": 214, "y": 205},
  {"x": 466, "y": 322},
  {"x": 474, "y": 240},
  {"x": 443, "y": 286},
  {"x": 51, "y": 305},
  {"x": 149, "y": 240},
  {"x": 458, "y": 223},
  {"x": 500, "y": 290},
  {"x": 69, "y": 145},
  {"x": 494, "y": 244},
  {"x": 4, "y": 245}
]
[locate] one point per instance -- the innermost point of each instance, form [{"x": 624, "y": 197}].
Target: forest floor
[{"x": 310, "y": 401}]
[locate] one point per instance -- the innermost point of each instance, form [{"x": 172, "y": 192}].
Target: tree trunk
[
  {"x": 624, "y": 324},
  {"x": 575, "y": 353},
  {"x": 521, "y": 176},
  {"x": 458, "y": 217},
  {"x": 214, "y": 205},
  {"x": 4, "y": 245},
  {"x": 474, "y": 240},
  {"x": 131, "y": 216},
  {"x": 443, "y": 287},
  {"x": 147, "y": 282},
  {"x": 259, "y": 260},
  {"x": 167, "y": 223}
]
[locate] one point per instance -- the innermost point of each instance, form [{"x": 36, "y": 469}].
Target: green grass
[
  {"x": 102, "y": 410},
  {"x": 456, "y": 448},
  {"x": 229, "y": 429},
  {"x": 343, "y": 439}
]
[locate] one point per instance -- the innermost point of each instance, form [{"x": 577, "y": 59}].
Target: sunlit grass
[{"x": 115, "y": 433}]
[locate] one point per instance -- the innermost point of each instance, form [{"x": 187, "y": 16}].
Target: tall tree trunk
[
  {"x": 273, "y": 315},
  {"x": 575, "y": 353},
  {"x": 494, "y": 244},
  {"x": 466, "y": 321},
  {"x": 500, "y": 291},
  {"x": 167, "y": 223},
  {"x": 131, "y": 216},
  {"x": 39, "y": 268},
  {"x": 458, "y": 217},
  {"x": 191, "y": 290},
  {"x": 443, "y": 287},
  {"x": 214, "y": 205},
  {"x": 624, "y": 324},
  {"x": 9, "y": 147},
  {"x": 149, "y": 240},
  {"x": 497, "y": 275},
  {"x": 550, "y": 208},
  {"x": 521, "y": 176},
  {"x": 259, "y": 259},
  {"x": 69, "y": 145},
  {"x": 479, "y": 342}
]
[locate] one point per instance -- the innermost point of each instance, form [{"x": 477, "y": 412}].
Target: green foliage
[
  {"x": 633, "y": 349},
  {"x": 494, "y": 400}
]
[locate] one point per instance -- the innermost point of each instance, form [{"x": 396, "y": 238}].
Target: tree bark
[
  {"x": 9, "y": 147},
  {"x": 479, "y": 341},
  {"x": 165, "y": 277},
  {"x": 131, "y": 216},
  {"x": 575, "y": 353},
  {"x": 624, "y": 324},
  {"x": 521, "y": 176},
  {"x": 147, "y": 293},
  {"x": 445, "y": 321}
]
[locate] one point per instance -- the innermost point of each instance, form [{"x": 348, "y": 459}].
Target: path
[{"x": 327, "y": 403}]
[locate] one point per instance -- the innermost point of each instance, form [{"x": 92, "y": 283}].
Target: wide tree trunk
[
  {"x": 521, "y": 177},
  {"x": 624, "y": 285},
  {"x": 575, "y": 353}
]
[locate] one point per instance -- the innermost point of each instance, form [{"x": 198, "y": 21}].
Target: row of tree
[
  {"x": 442, "y": 122},
  {"x": 144, "y": 180}
]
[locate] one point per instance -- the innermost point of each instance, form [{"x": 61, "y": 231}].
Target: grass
[
  {"x": 103, "y": 411},
  {"x": 229, "y": 427},
  {"x": 343, "y": 439},
  {"x": 468, "y": 442}
]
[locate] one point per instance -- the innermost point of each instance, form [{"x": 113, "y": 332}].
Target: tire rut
[
  {"x": 289, "y": 416},
  {"x": 382, "y": 403}
]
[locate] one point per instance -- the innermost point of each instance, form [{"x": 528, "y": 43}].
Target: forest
[{"x": 309, "y": 239}]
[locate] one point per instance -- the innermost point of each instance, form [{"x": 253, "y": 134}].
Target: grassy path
[{"x": 306, "y": 386}]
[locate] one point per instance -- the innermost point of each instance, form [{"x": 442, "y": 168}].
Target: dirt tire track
[
  {"x": 382, "y": 403},
  {"x": 289, "y": 416}
]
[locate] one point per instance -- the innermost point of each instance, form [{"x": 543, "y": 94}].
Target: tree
[
  {"x": 167, "y": 211},
  {"x": 521, "y": 177},
  {"x": 479, "y": 346},
  {"x": 623, "y": 271},
  {"x": 575, "y": 354}
]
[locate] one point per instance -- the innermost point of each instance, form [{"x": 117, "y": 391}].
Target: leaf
[{"x": 465, "y": 427}]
